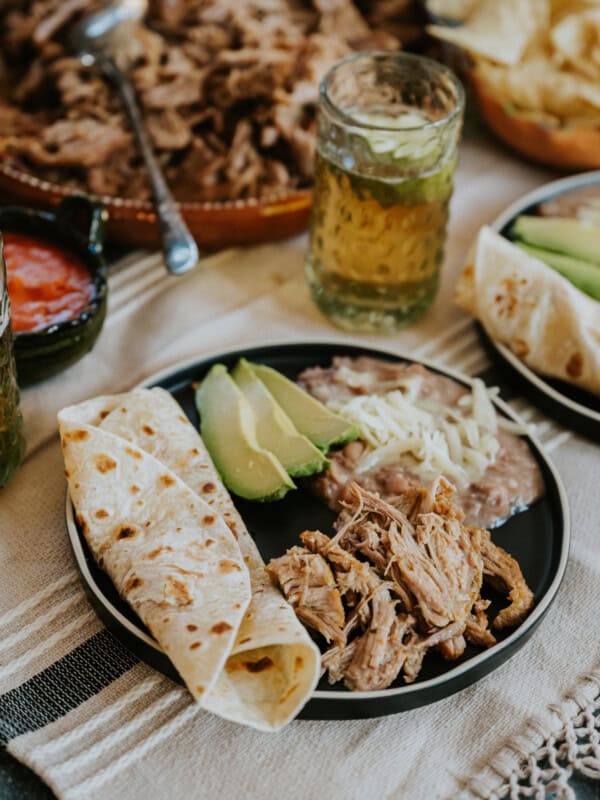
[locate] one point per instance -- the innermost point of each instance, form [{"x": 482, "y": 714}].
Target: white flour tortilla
[
  {"x": 169, "y": 555},
  {"x": 274, "y": 665},
  {"x": 545, "y": 320}
]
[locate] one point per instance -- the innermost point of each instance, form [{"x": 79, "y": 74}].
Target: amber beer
[{"x": 382, "y": 187}]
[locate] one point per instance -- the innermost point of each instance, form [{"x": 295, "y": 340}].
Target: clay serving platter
[{"x": 213, "y": 225}]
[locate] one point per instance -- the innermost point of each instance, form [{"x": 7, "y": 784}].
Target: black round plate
[
  {"x": 573, "y": 407},
  {"x": 538, "y": 538}
]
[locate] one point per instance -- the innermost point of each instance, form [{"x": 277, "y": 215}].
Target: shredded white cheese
[{"x": 429, "y": 438}]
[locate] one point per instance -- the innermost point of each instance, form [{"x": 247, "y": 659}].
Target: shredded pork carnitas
[
  {"x": 228, "y": 87},
  {"x": 398, "y": 578}
]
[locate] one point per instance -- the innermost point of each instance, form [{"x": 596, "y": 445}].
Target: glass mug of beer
[{"x": 389, "y": 126}]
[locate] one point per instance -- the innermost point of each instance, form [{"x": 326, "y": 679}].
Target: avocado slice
[
  {"x": 228, "y": 428},
  {"x": 569, "y": 236},
  {"x": 582, "y": 274},
  {"x": 274, "y": 429},
  {"x": 310, "y": 417}
]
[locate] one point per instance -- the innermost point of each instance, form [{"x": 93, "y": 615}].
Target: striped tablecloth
[{"x": 93, "y": 722}]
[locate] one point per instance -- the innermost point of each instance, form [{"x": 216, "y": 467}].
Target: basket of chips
[{"x": 534, "y": 68}]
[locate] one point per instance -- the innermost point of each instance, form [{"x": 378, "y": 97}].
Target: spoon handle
[{"x": 179, "y": 247}]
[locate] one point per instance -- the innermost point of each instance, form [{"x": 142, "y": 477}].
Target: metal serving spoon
[{"x": 96, "y": 39}]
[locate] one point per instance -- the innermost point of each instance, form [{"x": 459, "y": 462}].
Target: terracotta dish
[
  {"x": 564, "y": 148},
  {"x": 213, "y": 225}
]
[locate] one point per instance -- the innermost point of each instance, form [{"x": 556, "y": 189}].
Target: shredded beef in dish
[
  {"x": 229, "y": 89},
  {"x": 407, "y": 575}
]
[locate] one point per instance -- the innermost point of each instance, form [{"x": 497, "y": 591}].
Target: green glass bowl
[{"x": 77, "y": 224}]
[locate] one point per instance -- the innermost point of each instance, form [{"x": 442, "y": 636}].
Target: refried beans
[{"x": 508, "y": 485}]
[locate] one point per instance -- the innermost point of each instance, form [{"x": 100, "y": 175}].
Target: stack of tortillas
[{"x": 159, "y": 521}]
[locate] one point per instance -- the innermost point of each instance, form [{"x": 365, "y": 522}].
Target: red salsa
[{"x": 46, "y": 283}]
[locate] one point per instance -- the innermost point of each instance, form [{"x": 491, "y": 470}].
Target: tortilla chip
[
  {"x": 538, "y": 85},
  {"x": 499, "y": 31},
  {"x": 452, "y": 9},
  {"x": 576, "y": 40}
]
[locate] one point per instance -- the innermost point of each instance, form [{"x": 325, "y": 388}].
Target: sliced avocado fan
[{"x": 228, "y": 428}]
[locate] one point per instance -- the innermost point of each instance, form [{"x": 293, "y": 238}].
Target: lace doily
[{"x": 573, "y": 747}]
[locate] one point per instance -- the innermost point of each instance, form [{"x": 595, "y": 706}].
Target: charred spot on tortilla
[
  {"x": 67, "y": 474},
  {"x": 158, "y": 550},
  {"x": 167, "y": 480},
  {"x": 237, "y": 605},
  {"x": 195, "y": 645},
  {"x": 105, "y": 463},
  {"x": 64, "y": 442},
  {"x": 245, "y": 640},
  {"x": 147, "y": 429},
  {"x": 101, "y": 513},
  {"x": 183, "y": 571},
  {"x": 133, "y": 583},
  {"x": 220, "y": 627},
  {"x": 521, "y": 348},
  {"x": 298, "y": 662},
  {"x": 192, "y": 628},
  {"x": 200, "y": 689},
  {"x": 209, "y": 519},
  {"x": 226, "y": 566},
  {"x": 126, "y": 532},
  {"x": 209, "y": 542},
  {"x": 81, "y": 522},
  {"x": 258, "y": 666},
  {"x": 123, "y": 410},
  {"x": 574, "y": 366},
  {"x": 135, "y": 489},
  {"x": 104, "y": 413},
  {"x": 194, "y": 451},
  {"x": 179, "y": 591},
  {"x": 181, "y": 418},
  {"x": 208, "y": 487},
  {"x": 78, "y": 436},
  {"x": 289, "y": 693},
  {"x": 133, "y": 453}
]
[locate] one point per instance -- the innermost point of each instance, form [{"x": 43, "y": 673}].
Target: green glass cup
[
  {"x": 12, "y": 441},
  {"x": 388, "y": 133}
]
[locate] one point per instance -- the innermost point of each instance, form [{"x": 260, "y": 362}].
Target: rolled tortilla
[
  {"x": 169, "y": 555},
  {"x": 545, "y": 320},
  {"x": 274, "y": 665}
]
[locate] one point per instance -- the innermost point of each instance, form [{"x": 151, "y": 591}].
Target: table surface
[{"x": 17, "y": 782}]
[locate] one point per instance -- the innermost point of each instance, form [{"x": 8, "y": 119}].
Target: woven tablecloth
[{"x": 93, "y": 722}]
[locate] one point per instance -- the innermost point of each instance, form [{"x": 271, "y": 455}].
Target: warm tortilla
[
  {"x": 274, "y": 665},
  {"x": 169, "y": 555},
  {"x": 545, "y": 320}
]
